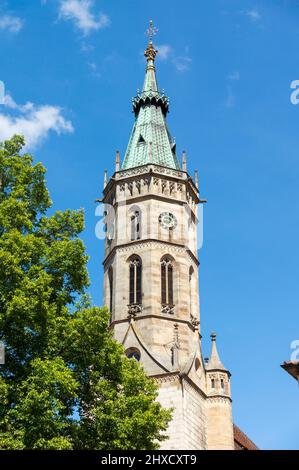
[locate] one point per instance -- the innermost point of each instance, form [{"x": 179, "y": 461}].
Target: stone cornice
[
  {"x": 222, "y": 371},
  {"x": 168, "y": 377},
  {"x": 159, "y": 317},
  {"x": 183, "y": 378},
  {"x": 151, "y": 168},
  {"x": 193, "y": 385},
  {"x": 159, "y": 197},
  {"x": 131, "y": 246},
  {"x": 152, "y": 171},
  {"x": 219, "y": 399}
]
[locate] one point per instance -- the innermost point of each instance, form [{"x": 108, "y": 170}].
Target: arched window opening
[
  {"x": 110, "y": 277},
  {"x": 135, "y": 296},
  {"x": 166, "y": 282},
  {"x": 109, "y": 228},
  {"x": 105, "y": 221},
  {"x": 133, "y": 353},
  {"x": 136, "y": 226},
  {"x": 191, "y": 287},
  {"x": 213, "y": 383}
]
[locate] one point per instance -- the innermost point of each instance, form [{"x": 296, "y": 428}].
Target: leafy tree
[{"x": 66, "y": 383}]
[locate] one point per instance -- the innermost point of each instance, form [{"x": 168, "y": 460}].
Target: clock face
[{"x": 167, "y": 220}]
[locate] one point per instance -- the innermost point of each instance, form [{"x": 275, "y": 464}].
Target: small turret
[
  {"x": 196, "y": 178},
  {"x": 105, "y": 178},
  {"x": 117, "y": 161},
  {"x": 218, "y": 377},
  {"x": 219, "y": 411},
  {"x": 184, "y": 161}
]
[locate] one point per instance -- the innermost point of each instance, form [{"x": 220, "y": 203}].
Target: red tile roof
[
  {"x": 242, "y": 442},
  {"x": 292, "y": 367}
]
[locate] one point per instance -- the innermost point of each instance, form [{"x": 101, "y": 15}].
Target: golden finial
[{"x": 151, "y": 52}]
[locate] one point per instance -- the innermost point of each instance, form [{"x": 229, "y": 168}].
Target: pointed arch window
[
  {"x": 191, "y": 289},
  {"x": 167, "y": 282},
  {"x": 135, "y": 294},
  {"x": 110, "y": 277},
  {"x": 136, "y": 226}
]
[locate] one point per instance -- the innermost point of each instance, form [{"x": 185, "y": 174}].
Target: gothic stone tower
[{"x": 151, "y": 276}]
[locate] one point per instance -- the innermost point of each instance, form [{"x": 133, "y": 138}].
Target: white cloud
[
  {"x": 12, "y": 24},
  {"x": 93, "y": 66},
  {"x": 182, "y": 63},
  {"x": 86, "y": 47},
  {"x": 253, "y": 14},
  {"x": 164, "y": 51},
  {"x": 80, "y": 12},
  {"x": 235, "y": 76},
  {"x": 230, "y": 99},
  {"x": 33, "y": 121}
]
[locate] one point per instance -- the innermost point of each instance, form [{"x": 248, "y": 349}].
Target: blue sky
[{"x": 70, "y": 69}]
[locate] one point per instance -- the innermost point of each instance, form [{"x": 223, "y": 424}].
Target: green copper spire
[{"x": 150, "y": 141}]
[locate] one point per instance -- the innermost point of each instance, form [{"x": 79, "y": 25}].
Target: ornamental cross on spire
[
  {"x": 151, "y": 52},
  {"x": 151, "y": 31}
]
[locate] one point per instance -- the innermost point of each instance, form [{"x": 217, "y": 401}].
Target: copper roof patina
[{"x": 150, "y": 141}]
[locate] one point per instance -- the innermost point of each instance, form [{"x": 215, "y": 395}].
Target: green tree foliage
[{"x": 66, "y": 383}]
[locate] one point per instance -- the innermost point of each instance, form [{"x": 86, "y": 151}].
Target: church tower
[{"x": 151, "y": 275}]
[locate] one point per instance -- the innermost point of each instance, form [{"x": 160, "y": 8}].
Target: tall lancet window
[
  {"x": 167, "y": 281},
  {"x": 135, "y": 296},
  {"x": 110, "y": 277},
  {"x": 191, "y": 289},
  {"x": 136, "y": 226}
]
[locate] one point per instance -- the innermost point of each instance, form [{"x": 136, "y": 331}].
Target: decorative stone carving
[
  {"x": 134, "y": 309},
  {"x": 146, "y": 181},
  {"x": 166, "y": 378},
  {"x": 219, "y": 399},
  {"x": 194, "y": 322},
  {"x": 164, "y": 185},
  {"x": 146, "y": 168},
  {"x": 133, "y": 171},
  {"x": 171, "y": 187},
  {"x": 130, "y": 187},
  {"x": 175, "y": 346},
  {"x": 168, "y": 171},
  {"x": 167, "y": 309}
]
